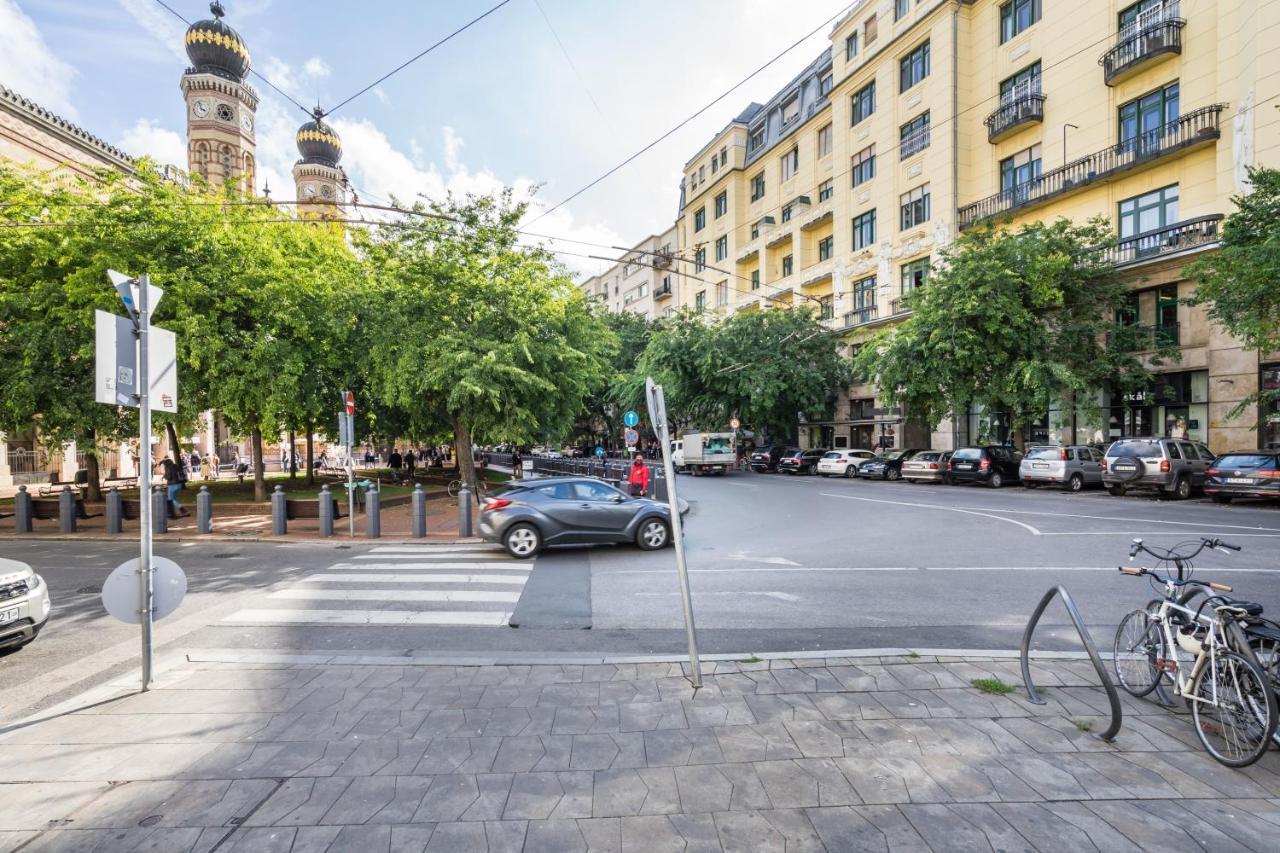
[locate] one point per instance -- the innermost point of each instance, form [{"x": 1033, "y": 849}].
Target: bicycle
[
  {"x": 455, "y": 486},
  {"x": 1232, "y": 703}
]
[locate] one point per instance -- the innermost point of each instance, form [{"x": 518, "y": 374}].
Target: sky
[{"x": 542, "y": 95}]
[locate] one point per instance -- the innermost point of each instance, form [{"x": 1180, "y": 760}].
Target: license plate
[
  {"x": 7, "y": 616},
  {"x": 1243, "y": 481},
  {"x": 1039, "y": 464},
  {"x": 965, "y": 466}
]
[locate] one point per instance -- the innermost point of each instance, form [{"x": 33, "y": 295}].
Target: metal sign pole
[
  {"x": 658, "y": 416},
  {"x": 145, "y": 588},
  {"x": 351, "y": 474}
]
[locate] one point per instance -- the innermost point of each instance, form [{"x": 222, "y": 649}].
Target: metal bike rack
[{"x": 1025, "y": 650}]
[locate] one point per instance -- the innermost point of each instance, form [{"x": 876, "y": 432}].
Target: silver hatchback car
[{"x": 1072, "y": 467}]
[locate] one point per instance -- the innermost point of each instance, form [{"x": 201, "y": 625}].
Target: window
[
  {"x": 700, "y": 219},
  {"x": 864, "y": 165},
  {"x": 915, "y": 275},
  {"x": 699, "y": 260},
  {"x": 1020, "y": 170},
  {"x": 824, "y": 190},
  {"x": 869, "y": 30},
  {"x": 851, "y": 46},
  {"x": 825, "y": 247},
  {"x": 864, "y": 230},
  {"x": 755, "y": 230},
  {"x": 788, "y": 265},
  {"x": 1143, "y": 120},
  {"x": 700, "y": 301},
  {"x": 786, "y": 212},
  {"x": 1145, "y": 14},
  {"x": 824, "y": 141},
  {"x": 826, "y": 308},
  {"x": 757, "y": 187},
  {"x": 756, "y": 139},
  {"x": 791, "y": 111},
  {"x": 825, "y": 84},
  {"x": 722, "y": 294},
  {"x": 863, "y": 102},
  {"x": 915, "y": 207},
  {"x": 914, "y": 135},
  {"x": 722, "y": 248},
  {"x": 900, "y": 9},
  {"x": 1149, "y": 212},
  {"x": 1025, "y": 82},
  {"x": 1016, "y": 16},
  {"x": 722, "y": 204},
  {"x": 790, "y": 163},
  {"x": 702, "y": 174},
  {"x": 724, "y": 157},
  {"x": 715, "y": 164},
  {"x": 864, "y": 293},
  {"x": 755, "y": 279},
  {"x": 913, "y": 67}
]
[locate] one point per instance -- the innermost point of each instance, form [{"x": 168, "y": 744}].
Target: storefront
[{"x": 1173, "y": 405}]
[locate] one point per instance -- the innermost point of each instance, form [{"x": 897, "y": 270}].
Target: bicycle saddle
[{"x": 1250, "y": 608}]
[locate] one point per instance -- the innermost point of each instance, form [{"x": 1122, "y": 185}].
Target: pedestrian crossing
[{"x": 450, "y": 585}]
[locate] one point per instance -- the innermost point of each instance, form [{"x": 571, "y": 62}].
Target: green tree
[
  {"x": 604, "y": 406},
  {"x": 1239, "y": 284},
  {"x": 1012, "y": 320},
  {"x": 477, "y": 331}
]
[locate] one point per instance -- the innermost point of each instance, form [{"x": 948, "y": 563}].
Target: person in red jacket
[{"x": 639, "y": 477}]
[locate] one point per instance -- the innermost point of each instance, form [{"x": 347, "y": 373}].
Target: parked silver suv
[
  {"x": 1072, "y": 467},
  {"x": 1174, "y": 466},
  {"x": 24, "y": 604}
]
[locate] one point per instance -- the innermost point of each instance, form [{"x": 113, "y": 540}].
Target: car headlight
[{"x": 34, "y": 583}]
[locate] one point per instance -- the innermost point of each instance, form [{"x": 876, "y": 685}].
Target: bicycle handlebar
[
  {"x": 1213, "y": 585},
  {"x": 1205, "y": 542}
]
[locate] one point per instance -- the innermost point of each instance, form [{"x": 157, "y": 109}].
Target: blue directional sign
[
  {"x": 631, "y": 419},
  {"x": 632, "y": 437},
  {"x": 600, "y": 451}
]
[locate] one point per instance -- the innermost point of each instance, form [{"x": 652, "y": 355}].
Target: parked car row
[{"x": 1175, "y": 467}]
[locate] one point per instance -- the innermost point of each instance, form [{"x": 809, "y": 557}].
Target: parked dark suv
[
  {"x": 991, "y": 465},
  {"x": 766, "y": 458},
  {"x": 1243, "y": 474},
  {"x": 887, "y": 464},
  {"x": 796, "y": 461},
  {"x": 1174, "y": 466}
]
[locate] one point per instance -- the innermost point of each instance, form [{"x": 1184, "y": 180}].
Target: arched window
[
  {"x": 226, "y": 161},
  {"x": 201, "y": 161},
  {"x": 248, "y": 173}
]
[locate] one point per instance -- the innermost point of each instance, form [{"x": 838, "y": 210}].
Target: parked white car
[
  {"x": 24, "y": 604},
  {"x": 843, "y": 463}
]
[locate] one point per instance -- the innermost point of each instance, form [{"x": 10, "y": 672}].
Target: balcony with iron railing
[
  {"x": 661, "y": 260},
  {"x": 1147, "y": 338},
  {"x": 1192, "y": 130},
  {"x": 914, "y": 144},
  {"x": 1014, "y": 113},
  {"x": 901, "y": 305},
  {"x": 861, "y": 316},
  {"x": 1156, "y": 34},
  {"x": 662, "y": 291},
  {"x": 1176, "y": 239}
]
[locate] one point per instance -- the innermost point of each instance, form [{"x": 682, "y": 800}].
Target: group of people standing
[{"x": 412, "y": 457}]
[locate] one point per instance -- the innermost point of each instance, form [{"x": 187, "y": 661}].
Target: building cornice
[{"x": 64, "y": 130}]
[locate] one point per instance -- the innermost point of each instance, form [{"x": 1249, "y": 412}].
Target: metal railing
[
  {"x": 1025, "y": 107},
  {"x": 901, "y": 305},
  {"x": 23, "y": 461},
  {"x": 914, "y": 144},
  {"x": 859, "y": 316},
  {"x": 1188, "y": 234},
  {"x": 1196, "y": 127},
  {"x": 1025, "y": 650},
  {"x": 1142, "y": 43},
  {"x": 1147, "y": 338},
  {"x": 662, "y": 291}
]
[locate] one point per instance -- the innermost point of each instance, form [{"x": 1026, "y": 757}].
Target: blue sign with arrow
[
  {"x": 631, "y": 419},
  {"x": 600, "y": 450}
]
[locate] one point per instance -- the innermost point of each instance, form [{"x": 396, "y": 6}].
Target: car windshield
[
  {"x": 717, "y": 444},
  {"x": 1246, "y": 460},
  {"x": 835, "y": 454},
  {"x": 1141, "y": 448},
  {"x": 1045, "y": 453},
  {"x": 968, "y": 453},
  {"x": 791, "y": 451},
  {"x": 925, "y": 457}
]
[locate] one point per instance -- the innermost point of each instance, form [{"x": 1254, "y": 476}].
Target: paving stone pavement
[{"x": 837, "y": 754}]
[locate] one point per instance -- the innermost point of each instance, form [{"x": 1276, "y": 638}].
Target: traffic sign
[
  {"x": 116, "y": 363},
  {"x": 632, "y": 437},
  {"x": 121, "y": 594},
  {"x": 600, "y": 451},
  {"x": 734, "y": 423},
  {"x": 631, "y": 419},
  {"x": 349, "y": 400}
]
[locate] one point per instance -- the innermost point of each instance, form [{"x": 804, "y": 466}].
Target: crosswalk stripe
[
  {"x": 445, "y": 595},
  {"x": 477, "y": 556},
  {"x": 431, "y": 567},
  {"x": 387, "y": 577},
  {"x": 434, "y": 549},
  {"x": 470, "y": 618}
]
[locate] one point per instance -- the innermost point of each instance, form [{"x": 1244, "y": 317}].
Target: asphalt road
[{"x": 777, "y": 563}]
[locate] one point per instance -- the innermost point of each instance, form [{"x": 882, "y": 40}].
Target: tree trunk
[
  {"x": 462, "y": 450},
  {"x": 93, "y": 489},
  {"x": 311, "y": 455},
  {"x": 259, "y": 469},
  {"x": 293, "y": 464}
]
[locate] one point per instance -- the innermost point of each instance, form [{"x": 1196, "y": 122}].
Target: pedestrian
[
  {"x": 394, "y": 462},
  {"x": 639, "y": 477},
  {"x": 517, "y": 464},
  {"x": 194, "y": 465},
  {"x": 175, "y": 479},
  {"x": 410, "y": 462}
]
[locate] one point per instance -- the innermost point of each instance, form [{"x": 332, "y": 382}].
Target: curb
[{"x": 227, "y": 538}]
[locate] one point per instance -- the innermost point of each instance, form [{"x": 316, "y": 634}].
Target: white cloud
[
  {"x": 148, "y": 138},
  {"x": 316, "y": 67},
  {"x": 167, "y": 30},
  {"x": 453, "y": 144},
  {"x": 28, "y": 66}
]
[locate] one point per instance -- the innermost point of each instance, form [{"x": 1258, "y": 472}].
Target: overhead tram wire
[{"x": 726, "y": 93}]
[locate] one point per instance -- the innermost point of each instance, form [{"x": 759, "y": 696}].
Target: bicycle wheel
[
  {"x": 1138, "y": 644},
  {"x": 1233, "y": 709},
  {"x": 1267, "y": 651},
  {"x": 454, "y": 487}
]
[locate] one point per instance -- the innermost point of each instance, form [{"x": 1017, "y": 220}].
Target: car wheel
[
  {"x": 653, "y": 534},
  {"x": 522, "y": 541},
  {"x": 996, "y": 480},
  {"x": 1076, "y": 483},
  {"x": 893, "y": 474},
  {"x": 1117, "y": 490},
  {"x": 1181, "y": 489},
  {"x": 1222, "y": 499},
  {"x": 850, "y": 471}
]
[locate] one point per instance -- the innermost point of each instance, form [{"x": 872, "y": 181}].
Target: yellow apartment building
[
  {"x": 926, "y": 117},
  {"x": 644, "y": 281}
]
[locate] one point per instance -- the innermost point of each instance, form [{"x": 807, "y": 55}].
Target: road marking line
[
  {"x": 437, "y": 558},
  {"x": 432, "y": 549},
  {"x": 1033, "y": 530},
  {"x": 1146, "y": 533},
  {"x": 445, "y": 595},
  {"x": 472, "y": 618},
  {"x": 431, "y": 567},
  {"x": 402, "y": 578},
  {"x": 904, "y": 569},
  {"x": 781, "y": 596}
]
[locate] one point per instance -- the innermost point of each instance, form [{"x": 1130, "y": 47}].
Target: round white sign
[
  {"x": 123, "y": 599},
  {"x": 734, "y": 423}
]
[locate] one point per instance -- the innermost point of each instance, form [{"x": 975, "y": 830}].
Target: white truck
[{"x": 704, "y": 452}]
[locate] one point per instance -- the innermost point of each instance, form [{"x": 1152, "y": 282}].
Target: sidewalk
[{"x": 249, "y": 751}]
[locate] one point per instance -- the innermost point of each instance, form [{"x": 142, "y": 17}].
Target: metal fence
[{"x": 25, "y": 461}]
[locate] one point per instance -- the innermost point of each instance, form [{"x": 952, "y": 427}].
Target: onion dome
[
  {"x": 318, "y": 143},
  {"x": 215, "y": 48}
]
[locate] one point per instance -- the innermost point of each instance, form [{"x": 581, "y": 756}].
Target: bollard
[
  {"x": 464, "y": 512},
  {"x": 115, "y": 511},
  {"x": 204, "y": 511},
  {"x": 373, "y": 512},
  {"x": 67, "y": 510},
  {"x": 419, "y": 506},
  {"x": 159, "y": 512},
  {"x": 22, "y": 510},
  {"x": 279, "y": 513},
  {"x": 326, "y": 511}
]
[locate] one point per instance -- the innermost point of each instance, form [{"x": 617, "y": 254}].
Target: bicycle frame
[{"x": 1208, "y": 647}]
